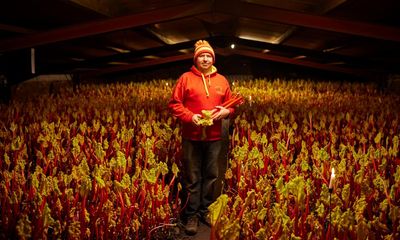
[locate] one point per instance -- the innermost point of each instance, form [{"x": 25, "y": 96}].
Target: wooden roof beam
[
  {"x": 265, "y": 13},
  {"x": 15, "y": 29},
  {"x": 141, "y": 64},
  {"x": 300, "y": 62},
  {"x": 103, "y": 26}
]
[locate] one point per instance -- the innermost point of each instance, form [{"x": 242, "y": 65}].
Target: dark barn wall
[{"x": 16, "y": 66}]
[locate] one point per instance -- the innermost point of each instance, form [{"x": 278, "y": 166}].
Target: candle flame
[{"x": 333, "y": 172}]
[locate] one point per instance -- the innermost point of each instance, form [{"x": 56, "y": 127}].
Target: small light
[
  {"x": 331, "y": 181},
  {"x": 232, "y": 46},
  {"x": 184, "y": 51},
  {"x": 151, "y": 57},
  {"x": 118, "y": 63},
  {"x": 332, "y": 49},
  {"x": 300, "y": 57},
  {"x": 119, "y": 50}
]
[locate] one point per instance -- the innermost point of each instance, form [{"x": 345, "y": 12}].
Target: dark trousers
[{"x": 200, "y": 174}]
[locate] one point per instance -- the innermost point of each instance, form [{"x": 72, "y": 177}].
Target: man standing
[{"x": 201, "y": 88}]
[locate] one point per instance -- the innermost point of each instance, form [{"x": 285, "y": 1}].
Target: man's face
[{"x": 204, "y": 61}]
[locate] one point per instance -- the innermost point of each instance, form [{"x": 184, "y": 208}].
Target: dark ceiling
[{"x": 92, "y": 38}]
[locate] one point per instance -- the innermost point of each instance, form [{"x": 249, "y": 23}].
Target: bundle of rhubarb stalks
[
  {"x": 209, "y": 115},
  {"x": 234, "y": 101}
]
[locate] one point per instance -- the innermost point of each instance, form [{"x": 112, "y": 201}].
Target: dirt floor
[
  {"x": 178, "y": 233},
  {"x": 203, "y": 234}
]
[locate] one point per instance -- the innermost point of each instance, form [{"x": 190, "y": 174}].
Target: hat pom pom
[{"x": 200, "y": 43}]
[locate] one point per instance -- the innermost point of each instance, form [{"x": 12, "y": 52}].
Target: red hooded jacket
[{"x": 194, "y": 92}]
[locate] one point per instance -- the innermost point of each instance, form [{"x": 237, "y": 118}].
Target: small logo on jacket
[{"x": 218, "y": 89}]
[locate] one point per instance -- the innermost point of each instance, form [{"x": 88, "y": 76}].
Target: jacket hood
[{"x": 198, "y": 73}]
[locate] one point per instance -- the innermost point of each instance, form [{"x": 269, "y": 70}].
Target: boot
[{"x": 192, "y": 225}]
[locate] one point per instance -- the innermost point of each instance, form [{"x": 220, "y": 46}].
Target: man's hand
[
  {"x": 196, "y": 118},
  {"x": 220, "y": 113}
]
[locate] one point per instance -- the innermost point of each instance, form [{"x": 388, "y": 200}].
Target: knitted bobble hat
[{"x": 202, "y": 46}]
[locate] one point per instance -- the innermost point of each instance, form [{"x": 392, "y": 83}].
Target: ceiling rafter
[
  {"x": 125, "y": 57},
  {"x": 322, "y": 9},
  {"x": 300, "y": 62},
  {"x": 220, "y": 41},
  {"x": 230, "y": 12},
  {"x": 104, "y": 26},
  {"x": 15, "y": 29},
  {"x": 246, "y": 10},
  {"x": 327, "y": 6},
  {"x": 223, "y": 42},
  {"x": 264, "y": 13},
  {"x": 140, "y": 64},
  {"x": 226, "y": 52},
  {"x": 105, "y": 7},
  {"x": 330, "y": 56}
]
